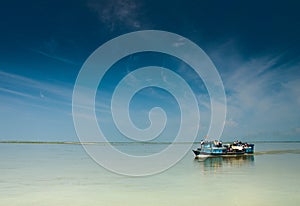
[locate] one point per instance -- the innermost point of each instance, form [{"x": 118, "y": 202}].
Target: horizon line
[{"x": 128, "y": 142}]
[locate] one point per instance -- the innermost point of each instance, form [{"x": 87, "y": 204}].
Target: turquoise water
[{"x": 63, "y": 174}]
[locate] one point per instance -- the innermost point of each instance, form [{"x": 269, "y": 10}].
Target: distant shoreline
[{"x": 86, "y": 143}]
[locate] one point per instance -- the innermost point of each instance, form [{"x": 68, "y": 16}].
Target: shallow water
[{"x": 63, "y": 174}]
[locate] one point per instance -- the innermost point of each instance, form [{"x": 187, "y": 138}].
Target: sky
[{"x": 254, "y": 45}]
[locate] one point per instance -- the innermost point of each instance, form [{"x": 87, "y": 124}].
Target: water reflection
[{"x": 216, "y": 164}]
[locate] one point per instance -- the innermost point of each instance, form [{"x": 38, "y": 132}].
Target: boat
[{"x": 217, "y": 149}]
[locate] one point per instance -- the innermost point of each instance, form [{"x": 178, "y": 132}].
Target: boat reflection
[{"x": 215, "y": 164}]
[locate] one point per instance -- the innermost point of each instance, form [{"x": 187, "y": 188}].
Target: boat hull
[{"x": 206, "y": 155}]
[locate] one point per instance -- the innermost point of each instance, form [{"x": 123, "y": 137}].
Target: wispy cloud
[
  {"x": 51, "y": 48},
  {"x": 117, "y": 12},
  {"x": 262, "y": 92},
  {"x": 34, "y": 91},
  {"x": 9, "y": 91},
  {"x": 231, "y": 123},
  {"x": 55, "y": 57}
]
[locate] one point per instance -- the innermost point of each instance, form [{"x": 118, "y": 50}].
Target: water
[{"x": 63, "y": 174}]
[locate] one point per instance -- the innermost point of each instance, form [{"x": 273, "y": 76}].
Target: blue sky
[{"x": 254, "y": 45}]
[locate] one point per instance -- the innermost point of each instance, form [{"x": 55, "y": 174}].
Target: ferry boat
[{"x": 217, "y": 148}]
